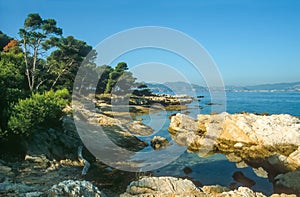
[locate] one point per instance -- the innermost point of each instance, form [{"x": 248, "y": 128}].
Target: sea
[{"x": 216, "y": 169}]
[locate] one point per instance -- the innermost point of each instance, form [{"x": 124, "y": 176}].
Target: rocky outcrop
[
  {"x": 162, "y": 99},
  {"x": 58, "y": 144},
  {"x": 244, "y": 136},
  {"x": 75, "y": 188},
  {"x": 159, "y": 142},
  {"x": 170, "y": 186},
  {"x": 118, "y": 131},
  {"x": 243, "y": 128},
  {"x": 270, "y": 144}
]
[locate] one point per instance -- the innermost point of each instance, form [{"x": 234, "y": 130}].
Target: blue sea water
[
  {"x": 216, "y": 169},
  {"x": 271, "y": 102}
]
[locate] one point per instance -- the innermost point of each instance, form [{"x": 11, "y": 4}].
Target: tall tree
[{"x": 34, "y": 38}]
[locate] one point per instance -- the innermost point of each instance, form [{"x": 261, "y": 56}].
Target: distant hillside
[
  {"x": 277, "y": 87},
  {"x": 175, "y": 87}
]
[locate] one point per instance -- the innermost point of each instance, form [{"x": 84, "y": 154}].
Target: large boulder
[
  {"x": 162, "y": 186},
  {"x": 274, "y": 138},
  {"x": 242, "y": 128},
  {"x": 75, "y": 188}
]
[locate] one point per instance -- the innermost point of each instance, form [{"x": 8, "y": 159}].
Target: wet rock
[
  {"x": 241, "y": 178},
  {"x": 159, "y": 142},
  {"x": 74, "y": 188},
  {"x": 279, "y": 162},
  {"x": 289, "y": 181},
  {"x": 187, "y": 170}
]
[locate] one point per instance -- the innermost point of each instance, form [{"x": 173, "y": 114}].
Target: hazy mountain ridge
[
  {"x": 182, "y": 87},
  {"x": 276, "y": 87}
]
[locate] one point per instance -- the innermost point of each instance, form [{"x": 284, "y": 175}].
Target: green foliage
[
  {"x": 28, "y": 72},
  {"x": 12, "y": 84},
  {"x": 40, "y": 110},
  {"x": 142, "y": 90},
  {"x": 119, "y": 81},
  {"x": 63, "y": 63},
  {"x": 125, "y": 84},
  {"x": 114, "y": 75},
  {"x": 121, "y": 67},
  {"x": 103, "y": 72}
]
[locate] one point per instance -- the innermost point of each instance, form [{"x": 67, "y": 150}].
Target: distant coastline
[{"x": 170, "y": 87}]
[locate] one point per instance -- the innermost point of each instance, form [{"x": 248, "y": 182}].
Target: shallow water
[{"x": 216, "y": 169}]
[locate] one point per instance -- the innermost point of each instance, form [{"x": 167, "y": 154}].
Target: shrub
[{"x": 38, "y": 110}]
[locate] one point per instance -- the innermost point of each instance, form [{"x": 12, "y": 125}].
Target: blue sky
[{"x": 251, "y": 41}]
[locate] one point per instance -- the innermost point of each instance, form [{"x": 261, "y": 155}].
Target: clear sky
[{"x": 251, "y": 41}]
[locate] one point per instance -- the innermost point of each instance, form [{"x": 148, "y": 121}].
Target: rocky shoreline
[
  {"x": 51, "y": 165},
  {"x": 269, "y": 144}
]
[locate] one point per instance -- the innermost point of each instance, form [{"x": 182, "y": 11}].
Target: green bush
[{"x": 40, "y": 110}]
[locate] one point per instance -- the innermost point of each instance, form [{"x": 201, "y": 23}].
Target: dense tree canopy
[{"x": 37, "y": 72}]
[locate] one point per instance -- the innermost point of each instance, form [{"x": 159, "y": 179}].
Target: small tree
[
  {"x": 115, "y": 75},
  {"x": 104, "y": 73}
]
